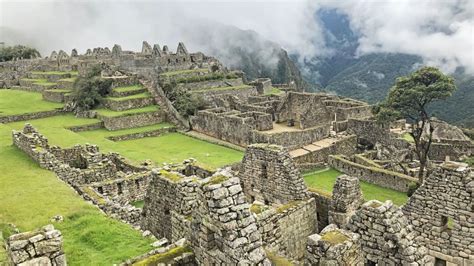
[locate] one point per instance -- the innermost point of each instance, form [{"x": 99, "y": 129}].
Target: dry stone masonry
[
  {"x": 441, "y": 213},
  {"x": 41, "y": 247},
  {"x": 346, "y": 199}
]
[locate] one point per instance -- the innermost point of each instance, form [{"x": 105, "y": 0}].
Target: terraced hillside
[{"x": 91, "y": 238}]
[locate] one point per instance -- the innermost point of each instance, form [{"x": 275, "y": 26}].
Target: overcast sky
[{"x": 441, "y": 31}]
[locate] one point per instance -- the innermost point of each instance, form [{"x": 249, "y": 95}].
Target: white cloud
[{"x": 441, "y": 31}]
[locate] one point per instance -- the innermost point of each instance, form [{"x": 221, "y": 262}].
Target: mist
[{"x": 439, "y": 31}]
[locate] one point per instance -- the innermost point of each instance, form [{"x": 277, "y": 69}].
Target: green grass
[
  {"x": 186, "y": 71},
  {"x": 324, "y": 181},
  {"x": 128, "y": 88},
  {"x": 274, "y": 91},
  {"x": 135, "y": 96},
  {"x": 110, "y": 113},
  {"x": 103, "y": 133},
  {"x": 59, "y": 90},
  {"x": 224, "y": 88},
  {"x": 277, "y": 260},
  {"x": 138, "y": 203},
  {"x": 163, "y": 258},
  {"x": 406, "y": 136},
  {"x": 69, "y": 79},
  {"x": 171, "y": 148},
  {"x": 470, "y": 161},
  {"x": 30, "y": 196},
  {"x": 14, "y": 102},
  {"x": 74, "y": 73}
]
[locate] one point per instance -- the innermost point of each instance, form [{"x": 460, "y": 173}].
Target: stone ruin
[
  {"x": 441, "y": 212},
  {"x": 214, "y": 211},
  {"x": 40, "y": 247},
  {"x": 269, "y": 176}
]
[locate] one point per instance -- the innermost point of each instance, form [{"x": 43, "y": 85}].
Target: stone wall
[
  {"x": 57, "y": 96},
  {"x": 210, "y": 95},
  {"x": 454, "y": 150},
  {"x": 386, "y": 237},
  {"x": 323, "y": 202},
  {"x": 140, "y": 135},
  {"x": 306, "y": 109},
  {"x": 225, "y": 232},
  {"x": 122, "y": 105},
  {"x": 169, "y": 196},
  {"x": 346, "y": 199},
  {"x": 334, "y": 246},
  {"x": 211, "y": 84},
  {"x": 373, "y": 175},
  {"x": 269, "y": 175},
  {"x": 129, "y": 121},
  {"x": 29, "y": 116},
  {"x": 346, "y": 145},
  {"x": 441, "y": 212},
  {"x": 131, "y": 188},
  {"x": 292, "y": 139},
  {"x": 224, "y": 125},
  {"x": 285, "y": 231},
  {"x": 41, "y": 247}
]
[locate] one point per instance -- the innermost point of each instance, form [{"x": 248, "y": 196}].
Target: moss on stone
[
  {"x": 334, "y": 237},
  {"x": 216, "y": 180},
  {"x": 256, "y": 208},
  {"x": 91, "y": 193},
  {"x": 287, "y": 206},
  {"x": 164, "y": 258},
  {"x": 170, "y": 175},
  {"x": 277, "y": 260}
]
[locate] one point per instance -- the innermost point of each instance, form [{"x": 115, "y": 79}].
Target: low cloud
[{"x": 441, "y": 31}]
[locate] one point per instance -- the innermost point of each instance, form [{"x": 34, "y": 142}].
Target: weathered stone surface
[{"x": 38, "y": 248}]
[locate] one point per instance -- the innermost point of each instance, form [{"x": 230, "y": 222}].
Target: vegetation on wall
[
  {"x": 90, "y": 89},
  {"x": 18, "y": 51},
  {"x": 185, "y": 102}
]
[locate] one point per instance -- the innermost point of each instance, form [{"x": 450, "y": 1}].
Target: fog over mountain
[
  {"x": 439, "y": 31},
  {"x": 352, "y": 47}
]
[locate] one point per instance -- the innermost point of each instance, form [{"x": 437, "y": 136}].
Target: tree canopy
[
  {"x": 409, "y": 99},
  {"x": 18, "y": 51},
  {"x": 89, "y": 90}
]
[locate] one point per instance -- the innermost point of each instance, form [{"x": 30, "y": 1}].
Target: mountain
[{"x": 368, "y": 77}]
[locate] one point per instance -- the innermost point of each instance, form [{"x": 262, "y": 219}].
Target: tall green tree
[
  {"x": 409, "y": 98},
  {"x": 18, "y": 51}
]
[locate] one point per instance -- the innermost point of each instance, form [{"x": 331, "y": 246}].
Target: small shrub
[
  {"x": 184, "y": 101},
  {"x": 412, "y": 187},
  {"x": 90, "y": 89},
  {"x": 18, "y": 51}
]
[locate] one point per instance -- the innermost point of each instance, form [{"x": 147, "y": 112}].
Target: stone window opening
[
  {"x": 169, "y": 61},
  {"x": 100, "y": 190},
  {"x": 120, "y": 188},
  {"x": 177, "y": 60},
  {"x": 167, "y": 212},
  {"x": 370, "y": 263},
  {"x": 447, "y": 223},
  {"x": 439, "y": 262},
  {"x": 264, "y": 170},
  {"x": 137, "y": 183}
]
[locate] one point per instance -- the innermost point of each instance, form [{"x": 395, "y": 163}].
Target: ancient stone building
[
  {"x": 386, "y": 237},
  {"x": 40, "y": 247},
  {"x": 346, "y": 199},
  {"x": 269, "y": 175},
  {"x": 441, "y": 212}
]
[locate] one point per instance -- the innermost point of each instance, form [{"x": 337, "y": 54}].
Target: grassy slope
[
  {"x": 324, "y": 180},
  {"x": 128, "y": 88},
  {"x": 170, "y": 148},
  {"x": 26, "y": 201},
  {"x": 135, "y": 96},
  {"x": 110, "y": 113},
  {"x": 24, "y": 102}
]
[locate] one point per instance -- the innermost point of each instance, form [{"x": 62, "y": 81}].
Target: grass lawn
[
  {"x": 323, "y": 181},
  {"x": 274, "y": 91},
  {"x": 128, "y": 88},
  {"x": 135, "y": 96},
  {"x": 171, "y": 148},
  {"x": 14, "y": 102},
  {"x": 74, "y": 73},
  {"x": 110, "y": 113},
  {"x": 30, "y": 196},
  {"x": 224, "y": 88},
  {"x": 186, "y": 71}
]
